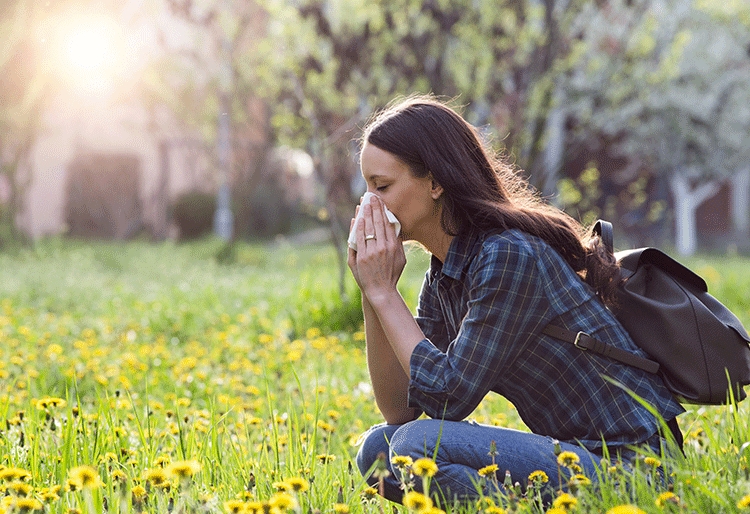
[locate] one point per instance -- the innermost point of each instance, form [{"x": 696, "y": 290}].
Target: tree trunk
[
  {"x": 687, "y": 199},
  {"x": 740, "y": 206}
]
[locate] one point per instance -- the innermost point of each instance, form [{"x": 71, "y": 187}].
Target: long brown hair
[{"x": 483, "y": 192}]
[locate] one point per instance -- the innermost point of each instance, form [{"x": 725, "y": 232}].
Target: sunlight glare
[{"x": 89, "y": 48}]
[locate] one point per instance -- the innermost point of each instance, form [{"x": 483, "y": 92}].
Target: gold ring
[{"x": 369, "y": 236}]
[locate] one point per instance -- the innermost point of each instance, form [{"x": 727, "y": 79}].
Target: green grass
[{"x": 251, "y": 364}]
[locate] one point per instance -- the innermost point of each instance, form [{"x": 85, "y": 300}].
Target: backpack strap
[
  {"x": 585, "y": 342},
  {"x": 604, "y": 230}
]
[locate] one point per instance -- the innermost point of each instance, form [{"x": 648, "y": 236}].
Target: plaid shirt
[{"x": 482, "y": 313}]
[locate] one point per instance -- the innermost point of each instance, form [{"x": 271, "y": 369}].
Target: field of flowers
[{"x": 158, "y": 378}]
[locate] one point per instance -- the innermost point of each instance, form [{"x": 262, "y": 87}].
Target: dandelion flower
[
  {"x": 565, "y": 501},
  {"x": 138, "y": 492},
  {"x": 21, "y": 489},
  {"x": 14, "y": 474},
  {"x": 488, "y": 470},
  {"x": 85, "y": 477},
  {"x": 23, "y": 505},
  {"x": 494, "y": 509},
  {"x": 579, "y": 480},
  {"x": 666, "y": 497},
  {"x": 281, "y": 486},
  {"x": 538, "y": 477},
  {"x": 155, "y": 476},
  {"x": 341, "y": 508},
  {"x": 184, "y": 469},
  {"x": 254, "y": 507},
  {"x": 402, "y": 461},
  {"x": 568, "y": 459},
  {"x": 556, "y": 510},
  {"x": 298, "y": 484},
  {"x": 234, "y": 506},
  {"x": 283, "y": 502},
  {"x": 49, "y": 401},
  {"x": 424, "y": 467},
  {"x": 652, "y": 462},
  {"x": 434, "y": 510},
  {"x": 369, "y": 493},
  {"x": 625, "y": 509},
  {"x": 744, "y": 502},
  {"x": 416, "y": 501},
  {"x": 326, "y": 458}
]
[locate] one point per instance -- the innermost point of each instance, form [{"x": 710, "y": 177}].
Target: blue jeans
[{"x": 463, "y": 448}]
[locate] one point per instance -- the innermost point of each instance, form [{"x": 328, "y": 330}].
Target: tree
[{"x": 665, "y": 81}]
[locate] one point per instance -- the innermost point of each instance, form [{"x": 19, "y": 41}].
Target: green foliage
[
  {"x": 246, "y": 371},
  {"x": 193, "y": 212}
]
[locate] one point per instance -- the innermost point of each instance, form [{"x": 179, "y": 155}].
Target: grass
[{"x": 179, "y": 381}]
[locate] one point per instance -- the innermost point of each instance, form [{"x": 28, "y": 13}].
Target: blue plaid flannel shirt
[{"x": 482, "y": 312}]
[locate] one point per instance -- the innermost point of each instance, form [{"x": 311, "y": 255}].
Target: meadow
[{"x": 170, "y": 378}]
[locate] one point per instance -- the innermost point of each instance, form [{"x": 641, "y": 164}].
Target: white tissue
[{"x": 365, "y": 200}]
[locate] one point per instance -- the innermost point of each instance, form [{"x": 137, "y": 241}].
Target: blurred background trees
[{"x": 633, "y": 110}]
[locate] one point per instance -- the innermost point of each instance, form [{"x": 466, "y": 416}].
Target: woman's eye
[{"x": 381, "y": 188}]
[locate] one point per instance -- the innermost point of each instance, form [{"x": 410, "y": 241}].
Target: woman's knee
[{"x": 374, "y": 443}]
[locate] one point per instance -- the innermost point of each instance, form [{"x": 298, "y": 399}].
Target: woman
[{"x": 504, "y": 264}]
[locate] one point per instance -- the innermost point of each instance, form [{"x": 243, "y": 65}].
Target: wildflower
[
  {"x": 298, "y": 484},
  {"x": 402, "y": 461},
  {"x": 155, "y": 476},
  {"x": 50, "y": 494},
  {"x": 494, "y": 509},
  {"x": 21, "y": 489},
  {"x": 326, "y": 427},
  {"x": 579, "y": 480},
  {"x": 341, "y": 508},
  {"x": 424, "y": 467},
  {"x": 162, "y": 461},
  {"x": 744, "y": 502},
  {"x": 14, "y": 474},
  {"x": 538, "y": 477},
  {"x": 625, "y": 509},
  {"x": 282, "y": 502},
  {"x": 49, "y": 401},
  {"x": 416, "y": 501},
  {"x": 565, "y": 501},
  {"x": 568, "y": 459},
  {"x": 184, "y": 469},
  {"x": 138, "y": 492},
  {"x": 369, "y": 493},
  {"x": 556, "y": 510},
  {"x": 281, "y": 486},
  {"x": 667, "y": 497},
  {"x": 23, "y": 505},
  {"x": 326, "y": 458},
  {"x": 652, "y": 462},
  {"x": 488, "y": 470},
  {"x": 254, "y": 507},
  {"x": 234, "y": 506},
  {"x": 85, "y": 477},
  {"x": 434, "y": 510}
]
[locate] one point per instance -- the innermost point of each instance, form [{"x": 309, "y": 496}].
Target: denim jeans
[{"x": 463, "y": 449}]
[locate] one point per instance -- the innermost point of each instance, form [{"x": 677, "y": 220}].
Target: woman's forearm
[{"x": 390, "y": 382}]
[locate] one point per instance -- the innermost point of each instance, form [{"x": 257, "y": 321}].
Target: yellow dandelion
[
  {"x": 433, "y": 510},
  {"x": 162, "y": 461},
  {"x": 283, "y": 502},
  {"x": 565, "y": 501},
  {"x": 369, "y": 493},
  {"x": 538, "y": 477},
  {"x": 416, "y": 501},
  {"x": 50, "y": 402},
  {"x": 138, "y": 492},
  {"x": 14, "y": 474},
  {"x": 184, "y": 469},
  {"x": 556, "y": 510},
  {"x": 625, "y": 509},
  {"x": 652, "y": 462},
  {"x": 281, "y": 486},
  {"x": 665, "y": 498},
  {"x": 402, "y": 461},
  {"x": 155, "y": 476},
  {"x": 85, "y": 477},
  {"x": 424, "y": 467},
  {"x": 254, "y": 507},
  {"x": 568, "y": 459},
  {"x": 494, "y": 509},
  {"x": 488, "y": 470},
  {"x": 19, "y": 488},
  {"x": 50, "y": 494},
  {"x": 579, "y": 480},
  {"x": 23, "y": 505},
  {"x": 234, "y": 506},
  {"x": 298, "y": 484},
  {"x": 326, "y": 458},
  {"x": 744, "y": 502},
  {"x": 341, "y": 508}
]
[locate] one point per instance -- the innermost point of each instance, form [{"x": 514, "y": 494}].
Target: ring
[{"x": 369, "y": 236}]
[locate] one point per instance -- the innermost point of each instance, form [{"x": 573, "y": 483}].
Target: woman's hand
[{"x": 379, "y": 261}]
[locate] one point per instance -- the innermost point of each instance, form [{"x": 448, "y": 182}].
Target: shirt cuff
[{"x": 426, "y": 388}]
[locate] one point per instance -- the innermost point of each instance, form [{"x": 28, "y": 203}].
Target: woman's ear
[{"x": 436, "y": 190}]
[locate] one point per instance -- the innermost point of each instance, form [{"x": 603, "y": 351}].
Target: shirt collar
[{"x": 460, "y": 250}]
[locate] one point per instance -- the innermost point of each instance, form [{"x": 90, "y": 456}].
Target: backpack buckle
[{"x": 577, "y": 344}]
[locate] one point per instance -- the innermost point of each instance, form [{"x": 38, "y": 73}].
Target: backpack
[{"x": 698, "y": 346}]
